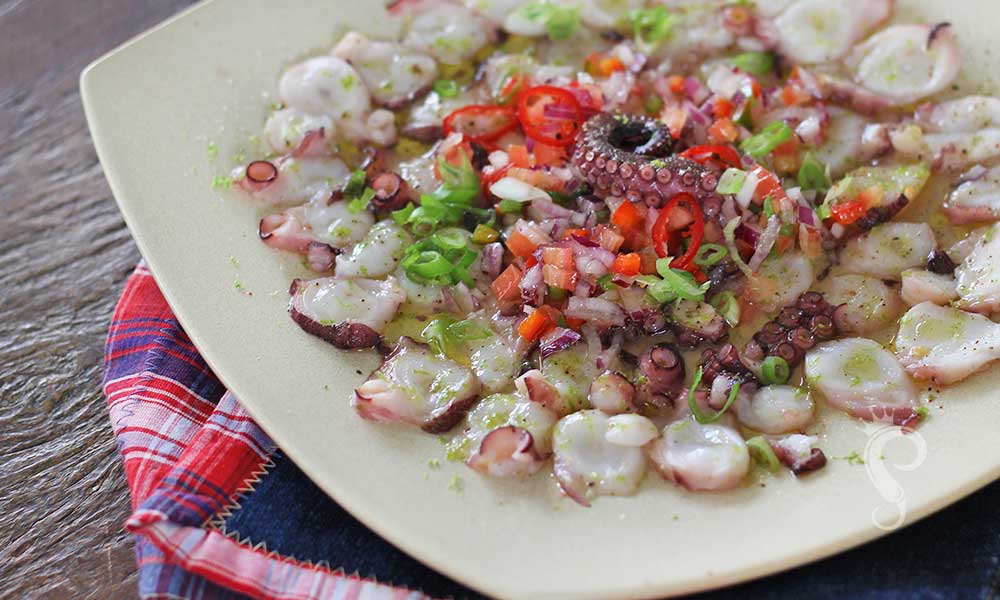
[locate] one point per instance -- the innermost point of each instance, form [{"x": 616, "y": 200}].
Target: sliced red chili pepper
[
  {"x": 550, "y": 115},
  {"x": 667, "y": 241},
  {"x": 703, "y": 154},
  {"x": 481, "y": 123},
  {"x": 513, "y": 86}
]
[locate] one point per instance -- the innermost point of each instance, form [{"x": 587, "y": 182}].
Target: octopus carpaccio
[{"x": 609, "y": 239}]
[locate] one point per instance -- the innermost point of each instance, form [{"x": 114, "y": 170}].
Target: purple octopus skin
[
  {"x": 630, "y": 156},
  {"x": 795, "y": 331},
  {"x": 662, "y": 367},
  {"x": 346, "y": 335}
]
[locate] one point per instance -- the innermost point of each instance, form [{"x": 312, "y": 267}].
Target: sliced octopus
[
  {"x": 415, "y": 386},
  {"x": 863, "y": 379},
  {"x": 776, "y": 409},
  {"x": 393, "y": 73},
  {"x": 348, "y": 313},
  {"x": 864, "y": 304},
  {"x": 976, "y": 198},
  {"x": 978, "y": 276},
  {"x": 377, "y": 255},
  {"x": 944, "y": 345},
  {"x": 507, "y": 436},
  {"x": 588, "y": 465},
  {"x": 888, "y": 250},
  {"x": 700, "y": 457}
]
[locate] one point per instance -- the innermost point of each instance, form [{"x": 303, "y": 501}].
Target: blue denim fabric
[{"x": 954, "y": 554}]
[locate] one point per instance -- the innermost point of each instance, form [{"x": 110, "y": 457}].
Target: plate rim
[{"x": 89, "y": 93}]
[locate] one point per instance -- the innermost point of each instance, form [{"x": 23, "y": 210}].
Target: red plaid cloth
[{"x": 190, "y": 450}]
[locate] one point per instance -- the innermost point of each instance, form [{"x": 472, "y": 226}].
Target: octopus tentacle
[{"x": 630, "y": 156}]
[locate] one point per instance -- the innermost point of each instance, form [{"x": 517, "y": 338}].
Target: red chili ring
[{"x": 696, "y": 231}]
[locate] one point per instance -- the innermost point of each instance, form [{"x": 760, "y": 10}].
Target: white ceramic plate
[{"x": 155, "y": 104}]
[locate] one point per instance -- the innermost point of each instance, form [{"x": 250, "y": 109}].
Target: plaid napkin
[{"x": 219, "y": 512}]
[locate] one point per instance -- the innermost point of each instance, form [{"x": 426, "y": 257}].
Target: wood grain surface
[{"x": 64, "y": 257}]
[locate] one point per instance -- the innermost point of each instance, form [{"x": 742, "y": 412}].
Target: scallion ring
[
  {"x": 762, "y": 453},
  {"x": 710, "y": 254},
  {"x": 700, "y": 415},
  {"x": 775, "y": 370}
]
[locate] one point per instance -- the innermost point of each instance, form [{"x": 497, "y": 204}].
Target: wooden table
[{"x": 64, "y": 256}]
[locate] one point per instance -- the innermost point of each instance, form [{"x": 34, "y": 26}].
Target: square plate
[{"x": 154, "y": 106}]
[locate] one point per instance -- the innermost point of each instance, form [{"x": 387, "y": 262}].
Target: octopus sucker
[{"x": 633, "y": 156}]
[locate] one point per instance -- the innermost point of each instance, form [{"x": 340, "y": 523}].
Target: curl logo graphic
[{"x": 892, "y": 515}]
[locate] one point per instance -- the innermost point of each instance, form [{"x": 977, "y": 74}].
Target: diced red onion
[
  {"x": 766, "y": 243},
  {"x": 559, "y": 111},
  {"x": 695, "y": 114},
  {"x": 598, "y": 311},
  {"x": 557, "y": 340},
  {"x": 807, "y": 216},
  {"x": 745, "y": 196},
  {"x": 492, "y": 260},
  {"x": 584, "y": 289},
  {"x": 694, "y": 90},
  {"x": 532, "y": 286},
  {"x": 747, "y": 234},
  {"x": 543, "y": 208}
]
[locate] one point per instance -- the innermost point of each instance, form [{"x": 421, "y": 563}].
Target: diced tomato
[
  {"x": 768, "y": 184},
  {"x": 549, "y": 156},
  {"x": 846, "y": 213},
  {"x": 793, "y": 95},
  {"x": 724, "y": 131},
  {"x": 505, "y": 286},
  {"x": 538, "y": 323},
  {"x": 627, "y": 264},
  {"x": 627, "y": 216},
  {"x": 519, "y": 156},
  {"x": 538, "y": 178},
  {"x": 810, "y": 241},
  {"x": 559, "y": 277},
  {"x": 481, "y": 123},
  {"x": 574, "y": 322},
  {"x": 648, "y": 258},
  {"x": 608, "y": 238},
  {"x": 786, "y": 156},
  {"x": 706, "y": 153},
  {"x": 676, "y": 84},
  {"x": 558, "y": 256},
  {"x": 783, "y": 243},
  {"x": 722, "y": 109},
  {"x": 675, "y": 118},
  {"x": 574, "y": 232},
  {"x": 600, "y": 64},
  {"x": 455, "y": 149},
  {"x": 520, "y": 245}
]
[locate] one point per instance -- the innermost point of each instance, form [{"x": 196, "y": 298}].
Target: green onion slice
[
  {"x": 767, "y": 140},
  {"x": 775, "y": 370},
  {"x": 700, "y": 415},
  {"x": 710, "y": 254},
  {"x": 762, "y": 453},
  {"x": 755, "y": 63},
  {"x": 446, "y": 88},
  {"x": 812, "y": 173},
  {"x": 728, "y": 306},
  {"x": 731, "y": 181}
]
